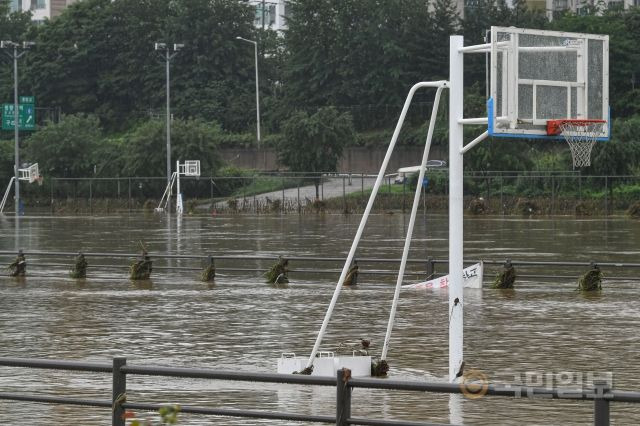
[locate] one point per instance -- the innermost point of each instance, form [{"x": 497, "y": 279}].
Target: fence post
[
  {"x": 344, "y": 196},
  {"x": 343, "y": 397},
  {"x": 283, "y": 185},
  {"x": 431, "y": 268},
  {"x": 52, "y": 181},
  {"x": 600, "y": 404},
  {"x": 553, "y": 194},
  {"x": 119, "y": 394},
  {"x": 362, "y": 183},
  {"x": 404, "y": 189},
  {"x": 606, "y": 195},
  {"x": 129, "y": 200},
  {"x": 90, "y": 196}
]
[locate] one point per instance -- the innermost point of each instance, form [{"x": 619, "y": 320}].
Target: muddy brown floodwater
[{"x": 542, "y": 333}]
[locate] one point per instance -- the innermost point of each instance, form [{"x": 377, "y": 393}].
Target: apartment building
[
  {"x": 555, "y": 7},
  {"x": 270, "y": 14},
  {"x": 41, "y": 9}
]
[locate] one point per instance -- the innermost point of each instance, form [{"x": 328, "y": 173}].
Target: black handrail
[{"x": 601, "y": 394}]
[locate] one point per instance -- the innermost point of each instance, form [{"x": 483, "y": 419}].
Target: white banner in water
[{"x": 471, "y": 278}]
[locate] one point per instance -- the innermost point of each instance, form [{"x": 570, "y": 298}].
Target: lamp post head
[
  {"x": 28, "y": 44},
  {"x": 178, "y": 46},
  {"x": 247, "y": 40},
  {"x": 6, "y": 44},
  {"x": 160, "y": 46}
]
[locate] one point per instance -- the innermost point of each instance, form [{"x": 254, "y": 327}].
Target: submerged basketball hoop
[{"x": 581, "y": 135}]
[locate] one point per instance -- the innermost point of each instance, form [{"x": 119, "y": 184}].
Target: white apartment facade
[
  {"x": 41, "y": 9},
  {"x": 554, "y": 7},
  {"x": 270, "y": 14}
]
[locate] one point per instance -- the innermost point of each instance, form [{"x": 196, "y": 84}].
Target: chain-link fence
[{"x": 498, "y": 192}]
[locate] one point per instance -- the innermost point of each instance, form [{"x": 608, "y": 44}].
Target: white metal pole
[
  {"x": 168, "y": 88},
  {"x": 412, "y": 220},
  {"x": 255, "y": 45},
  {"x": 178, "y": 194},
  {"x": 365, "y": 215},
  {"x": 16, "y": 130},
  {"x": 456, "y": 239}
]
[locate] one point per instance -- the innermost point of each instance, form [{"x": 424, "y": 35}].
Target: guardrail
[
  {"x": 368, "y": 266},
  {"x": 600, "y": 394}
]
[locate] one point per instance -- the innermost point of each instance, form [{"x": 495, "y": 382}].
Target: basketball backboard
[
  {"x": 192, "y": 168},
  {"x": 30, "y": 173},
  {"x": 537, "y": 76}
]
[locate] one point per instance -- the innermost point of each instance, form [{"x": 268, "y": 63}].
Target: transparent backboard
[
  {"x": 539, "y": 75},
  {"x": 192, "y": 168}
]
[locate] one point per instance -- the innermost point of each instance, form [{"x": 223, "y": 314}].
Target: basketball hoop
[{"x": 581, "y": 136}]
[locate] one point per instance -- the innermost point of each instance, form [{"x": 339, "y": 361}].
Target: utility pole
[
  {"x": 255, "y": 46},
  {"x": 168, "y": 56},
  {"x": 6, "y": 44}
]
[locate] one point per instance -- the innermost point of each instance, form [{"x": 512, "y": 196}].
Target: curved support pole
[
  {"x": 412, "y": 221},
  {"x": 367, "y": 210},
  {"x": 6, "y": 194}
]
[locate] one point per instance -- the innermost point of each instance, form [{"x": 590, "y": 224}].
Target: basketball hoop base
[{"x": 581, "y": 136}]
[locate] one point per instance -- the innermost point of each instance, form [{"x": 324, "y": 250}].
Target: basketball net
[{"x": 581, "y": 137}]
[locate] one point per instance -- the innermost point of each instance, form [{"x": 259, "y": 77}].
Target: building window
[
  {"x": 265, "y": 17},
  {"x": 616, "y": 5},
  {"x": 560, "y": 4},
  {"x": 38, "y": 4}
]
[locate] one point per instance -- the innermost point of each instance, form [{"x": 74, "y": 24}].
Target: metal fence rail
[
  {"x": 601, "y": 394},
  {"x": 308, "y": 264},
  {"x": 554, "y": 192}
]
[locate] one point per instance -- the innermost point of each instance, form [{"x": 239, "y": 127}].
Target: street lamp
[
  {"x": 255, "y": 45},
  {"x": 167, "y": 57},
  {"x": 6, "y": 44}
]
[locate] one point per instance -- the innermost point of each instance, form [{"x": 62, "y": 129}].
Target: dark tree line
[{"x": 358, "y": 56}]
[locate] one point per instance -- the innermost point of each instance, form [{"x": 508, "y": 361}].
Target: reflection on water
[{"x": 239, "y": 323}]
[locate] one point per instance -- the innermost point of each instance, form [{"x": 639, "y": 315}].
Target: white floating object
[
  {"x": 471, "y": 278},
  {"x": 326, "y": 364}
]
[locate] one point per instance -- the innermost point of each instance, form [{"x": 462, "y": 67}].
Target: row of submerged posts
[
  {"x": 142, "y": 268},
  {"x": 590, "y": 281},
  {"x": 278, "y": 273}
]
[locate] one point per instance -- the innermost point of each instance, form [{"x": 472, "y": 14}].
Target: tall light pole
[
  {"x": 6, "y": 44},
  {"x": 255, "y": 45},
  {"x": 168, "y": 56}
]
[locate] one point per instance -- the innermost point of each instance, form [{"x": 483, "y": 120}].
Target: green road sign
[
  {"x": 26, "y": 116},
  {"x": 27, "y": 100}
]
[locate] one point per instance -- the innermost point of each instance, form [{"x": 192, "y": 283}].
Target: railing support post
[
  {"x": 119, "y": 394},
  {"x": 600, "y": 404},
  {"x": 430, "y": 269},
  {"x": 343, "y": 394}
]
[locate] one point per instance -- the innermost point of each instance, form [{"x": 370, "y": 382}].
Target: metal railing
[
  {"x": 554, "y": 192},
  {"x": 427, "y": 268},
  {"x": 600, "y": 394}
]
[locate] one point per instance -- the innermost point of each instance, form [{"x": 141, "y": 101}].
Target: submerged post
[
  {"x": 600, "y": 404},
  {"x": 456, "y": 63},
  {"x": 119, "y": 394},
  {"x": 343, "y": 397}
]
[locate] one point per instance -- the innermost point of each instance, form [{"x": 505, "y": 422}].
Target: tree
[
  {"x": 314, "y": 144},
  {"x": 13, "y": 26},
  {"x": 68, "y": 148},
  {"x": 98, "y": 56},
  {"x": 190, "y": 140}
]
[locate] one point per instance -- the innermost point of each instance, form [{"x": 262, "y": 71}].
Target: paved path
[{"x": 331, "y": 188}]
